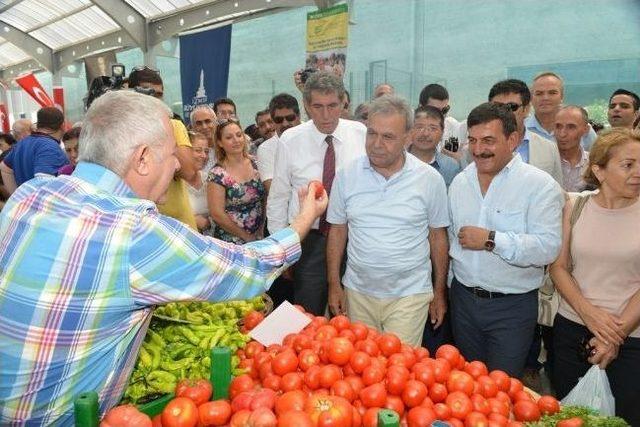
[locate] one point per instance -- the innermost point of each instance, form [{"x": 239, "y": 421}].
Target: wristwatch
[{"x": 490, "y": 243}]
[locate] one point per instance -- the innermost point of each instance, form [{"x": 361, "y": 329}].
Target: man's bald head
[{"x": 571, "y": 124}]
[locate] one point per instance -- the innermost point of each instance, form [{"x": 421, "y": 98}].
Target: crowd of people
[{"x": 437, "y": 230}]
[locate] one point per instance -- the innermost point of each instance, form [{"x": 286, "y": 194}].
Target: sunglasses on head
[
  {"x": 227, "y": 121},
  {"x": 510, "y": 105},
  {"x": 280, "y": 119}
]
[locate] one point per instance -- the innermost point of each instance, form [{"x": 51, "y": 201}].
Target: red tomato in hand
[
  {"x": 216, "y": 413},
  {"x": 125, "y": 416},
  {"x": 548, "y": 405},
  {"x": 327, "y": 410},
  {"x": 180, "y": 412},
  {"x": 317, "y": 187},
  {"x": 197, "y": 390}
]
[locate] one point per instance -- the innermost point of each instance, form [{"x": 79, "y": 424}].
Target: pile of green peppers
[{"x": 172, "y": 351}]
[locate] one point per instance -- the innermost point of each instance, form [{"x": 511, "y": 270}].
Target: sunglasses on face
[
  {"x": 510, "y": 105},
  {"x": 280, "y": 119}
]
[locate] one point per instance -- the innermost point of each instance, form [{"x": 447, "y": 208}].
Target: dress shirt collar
[
  {"x": 103, "y": 178},
  {"x": 407, "y": 165},
  {"x": 338, "y": 133}
]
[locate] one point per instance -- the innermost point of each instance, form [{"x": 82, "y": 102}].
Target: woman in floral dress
[{"x": 235, "y": 192}]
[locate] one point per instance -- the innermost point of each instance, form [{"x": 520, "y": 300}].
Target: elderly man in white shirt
[
  {"x": 393, "y": 210},
  {"x": 314, "y": 150},
  {"x": 285, "y": 113},
  {"x": 505, "y": 227}
]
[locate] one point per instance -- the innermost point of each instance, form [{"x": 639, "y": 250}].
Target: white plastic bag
[{"x": 593, "y": 391}]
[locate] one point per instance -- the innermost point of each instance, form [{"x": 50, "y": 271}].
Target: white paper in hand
[{"x": 284, "y": 320}]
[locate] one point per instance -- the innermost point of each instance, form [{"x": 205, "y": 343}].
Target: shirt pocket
[{"x": 506, "y": 220}]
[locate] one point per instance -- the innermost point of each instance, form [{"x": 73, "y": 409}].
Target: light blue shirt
[
  {"x": 524, "y": 206},
  {"x": 532, "y": 124},
  {"x": 523, "y": 147},
  {"x": 447, "y": 167},
  {"x": 388, "y": 253}
]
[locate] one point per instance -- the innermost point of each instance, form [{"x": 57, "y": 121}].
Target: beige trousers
[{"x": 405, "y": 317}]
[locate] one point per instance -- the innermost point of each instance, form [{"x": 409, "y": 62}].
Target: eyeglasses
[
  {"x": 280, "y": 119},
  {"x": 510, "y": 105}
]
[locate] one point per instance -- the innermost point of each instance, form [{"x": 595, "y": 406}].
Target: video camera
[{"x": 103, "y": 84}]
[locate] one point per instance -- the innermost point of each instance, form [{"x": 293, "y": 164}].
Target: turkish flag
[
  {"x": 4, "y": 118},
  {"x": 32, "y": 86},
  {"x": 58, "y": 97}
]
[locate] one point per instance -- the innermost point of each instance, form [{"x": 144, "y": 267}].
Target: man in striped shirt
[{"x": 85, "y": 258}]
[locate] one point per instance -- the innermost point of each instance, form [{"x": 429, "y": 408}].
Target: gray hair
[
  {"x": 119, "y": 122},
  {"x": 392, "y": 104},
  {"x": 323, "y": 82},
  {"x": 202, "y": 107},
  {"x": 21, "y": 126},
  {"x": 578, "y": 108}
]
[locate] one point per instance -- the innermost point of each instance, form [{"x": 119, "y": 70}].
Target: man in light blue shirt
[
  {"x": 505, "y": 227},
  {"x": 547, "y": 90},
  {"x": 393, "y": 209},
  {"x": 428, "y": 126}
]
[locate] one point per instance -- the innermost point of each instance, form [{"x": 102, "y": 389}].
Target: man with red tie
[{"x": 314, "y": 150}]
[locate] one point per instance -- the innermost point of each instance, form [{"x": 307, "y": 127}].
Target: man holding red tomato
[
  {"x": 85, "y": 258},
  {"x": 389, "y": 210},
  {"x": 505, "y": 227}
]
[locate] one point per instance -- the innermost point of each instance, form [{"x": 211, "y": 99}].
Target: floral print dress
[{"x": 244, "y": 202}]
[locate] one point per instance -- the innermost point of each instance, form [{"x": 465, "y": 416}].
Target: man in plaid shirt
[{"x": 85, "y": 258}]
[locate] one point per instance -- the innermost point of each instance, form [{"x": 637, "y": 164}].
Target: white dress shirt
[
  {"x": 300, "y": 158},
  {"x": 266, "y": 157},
  {"x": 524, "y": 206}
]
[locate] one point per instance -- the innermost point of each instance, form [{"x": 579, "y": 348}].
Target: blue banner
[{"x": 204, "y": 67}]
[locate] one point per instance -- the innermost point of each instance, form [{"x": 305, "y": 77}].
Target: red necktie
[{"x": 328, "y": 173}]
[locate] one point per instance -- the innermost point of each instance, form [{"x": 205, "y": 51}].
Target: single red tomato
[
  {"x": 372, "y": 374},
  {"x": 252, "y": 348},
  {"x": 273, "y": 382},
  {"x": 340, "y": 351},
  {"x": 295, "y": 418},
  {"x": 355, "y": 382},
  {"x": 374, "y": 395},
  {"x": 497, "y": 420},
  {"x": 449, "y": 353},
  {"x": 348, "y": 334},
  {"x": 242, "y": 401},
  {"x": 291, "y": 381},
  {"x": 359, "y": 361},
  {"x": 317, "y": 188},
  {"x": 360, "y": 330},
  {"x": 125, "y": 416},
  {"x": 343, "y": 389},
  {"x": 180, "y": 412},
  {"x": 252, "y": 319},
  {"x": 327, "y": 411},
  {"x": 442, "y": 411},
  {"x": 521, "y": 395},
  {"x": 326, "y": 332},
  {"x": 239, "y": 384},
  {"x": 514, "y": 387},
  {"x": 329, "y": 374},
  {"x": 476, "y": 419},
  {"x": 526, "y": 410},
  {"x": 421, "y": 353},
  {"x": 497, "y": 406},
  {"x": 368, "y": 346},
  {"x": 487, "y": 386},
  {"x": 340, "y": 322},
  {"x": 480, "y": 404},
  {"x": 307, "y": 358},
  {"x": 460, "y": 381},
  {"x": 312, "y": 377},
  {"x": 284, "y": 362},
  {"x": 399, "y": 359},
  {"x": 301, "y": 342},
  {"x": 262, "y": 417},
  {"x": 414, "y": 393},
  {"x": 290, "y": 401},
  {"x": 460, "y": 404},
  {"x": 424, "y": 373},
  {"x": 370, "y": 417},
  {"x": 395, "y": 404},
  {"x": 396, "y": 379},
  {"x": 197, "y": 390},
  {"x": 570, "y": 422},
  {"x": 503, "y": 381},
  {"x": 263, "y": 398},
  {"x": 441, "y": 370},
  {"x": 389, "y": 344},
  {"x": 438, "y": 392},
  {"x": 421, "y": 416},
  {"x": 240, "y": 418},
  {"x": 476, "y": 369},
  {"x": 216, "y": 413},
  {"x": 548, "y": 405}
]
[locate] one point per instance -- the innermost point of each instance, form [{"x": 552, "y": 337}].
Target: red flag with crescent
[
  {"x": 32, "y": 86},
  {"x": 4, "y": 118}
]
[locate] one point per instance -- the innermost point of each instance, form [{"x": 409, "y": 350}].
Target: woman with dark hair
[
  {"x": 235, "y": 192},
  {"x": 70, "y": 140},
  {"x": 598, "y": 275}
]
